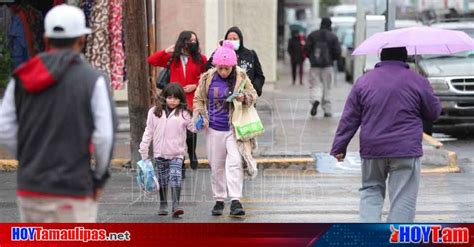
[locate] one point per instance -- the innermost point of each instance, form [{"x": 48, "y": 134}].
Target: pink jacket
[{"x": 167, "y": 133}]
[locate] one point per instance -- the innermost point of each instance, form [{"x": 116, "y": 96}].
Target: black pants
[
  {"x": 191, "y": 142},
  {"x": 293, "y": 71}
]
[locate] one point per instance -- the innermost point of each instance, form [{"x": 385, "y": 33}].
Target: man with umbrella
[{"x": 389, "y": 103}]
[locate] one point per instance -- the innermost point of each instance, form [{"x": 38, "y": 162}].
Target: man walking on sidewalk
[
  {"x": 389, "y": 103},
  {"x": 323, "y": 49},
  {"x": 54, "y": 106}
]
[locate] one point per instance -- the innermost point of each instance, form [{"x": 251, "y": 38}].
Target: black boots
[
  {"x": 314, "y": 109},
  {"x": 163, "y": 201},
  {"x": 236, "y": 209},
  {"x": 194, "y": 164},
  {"x": 191, "y": 142},
  {"x": 218, "y": 209},
  {"x": 176, "y": 195}
]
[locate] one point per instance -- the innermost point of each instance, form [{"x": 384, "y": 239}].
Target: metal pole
[
  {"x": 360, "y": 27},
  {"x": 391, "y": 15}
]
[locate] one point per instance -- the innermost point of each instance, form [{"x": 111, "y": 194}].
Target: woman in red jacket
[{"x": 186, "y": 68}]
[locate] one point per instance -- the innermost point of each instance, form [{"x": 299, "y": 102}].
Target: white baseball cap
[{"x": 65, "y": 21}]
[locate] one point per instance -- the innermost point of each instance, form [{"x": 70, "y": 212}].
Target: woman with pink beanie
[{"x": 227, "y": 156}]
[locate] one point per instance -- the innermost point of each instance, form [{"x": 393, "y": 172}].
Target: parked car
[{"x": 452, "y": 79}]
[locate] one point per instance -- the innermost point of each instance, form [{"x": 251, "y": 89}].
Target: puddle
[{"x": 325, "y": 163}]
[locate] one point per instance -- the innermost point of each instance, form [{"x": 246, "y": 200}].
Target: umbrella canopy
[{"x": 417, "y": 40}]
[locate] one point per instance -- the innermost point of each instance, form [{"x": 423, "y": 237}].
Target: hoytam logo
[{"x": 434, "y": 234}]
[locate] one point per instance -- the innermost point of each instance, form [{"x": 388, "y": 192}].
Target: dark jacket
[
  {"x": 296, "y": 50},
  {"x": 323, "y": 35},
  {"x": 62, "y": 106},
  {"x": 247, "y": 60}
]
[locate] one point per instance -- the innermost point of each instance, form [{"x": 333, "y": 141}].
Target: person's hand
[
  {"x": 189, "y": 88},
  {"x": 97, "y": 194},
  {"x": 240, "y": 98},
  {"x": 340, "y": 157},
  {"x": 170, "y": 49},
  {"x": 205, "y": 125}
]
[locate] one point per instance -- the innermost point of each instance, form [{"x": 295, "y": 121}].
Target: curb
[
  {"x": 121, "y": 164},
  {"x": 305, "y": 163}
]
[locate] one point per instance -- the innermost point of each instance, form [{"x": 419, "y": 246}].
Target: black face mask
[{"x": 193, "y": 48}]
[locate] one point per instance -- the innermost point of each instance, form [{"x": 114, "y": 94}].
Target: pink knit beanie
[{"x": 225, "y": 55}]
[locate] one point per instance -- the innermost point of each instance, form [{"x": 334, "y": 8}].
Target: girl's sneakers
[
  {"x": 218, "y": 209},
  {"x": 236, "y": 209}
]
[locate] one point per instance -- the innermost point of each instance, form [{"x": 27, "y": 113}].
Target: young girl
[
  {"x": 224, "y": 151},
  {"x": 166, "y": 126}
]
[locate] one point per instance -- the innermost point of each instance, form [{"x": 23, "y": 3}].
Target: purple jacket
[{"x": 389, "y": 103}]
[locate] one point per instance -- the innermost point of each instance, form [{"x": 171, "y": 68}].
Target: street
[{"x": 274, "y": 196}]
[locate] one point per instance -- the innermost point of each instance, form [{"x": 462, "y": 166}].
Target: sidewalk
[{"x": 284, "y": 110}]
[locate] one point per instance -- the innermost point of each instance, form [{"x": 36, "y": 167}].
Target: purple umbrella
[{"x": 417, "y": 40}]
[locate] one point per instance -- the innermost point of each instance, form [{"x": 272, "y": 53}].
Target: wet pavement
[{"x": 276, "y": 195}]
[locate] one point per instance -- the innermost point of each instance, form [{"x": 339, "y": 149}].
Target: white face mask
[{"x": 236, "y": 44}]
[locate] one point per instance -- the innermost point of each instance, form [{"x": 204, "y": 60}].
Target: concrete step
[{"x": 122, "y": 112}]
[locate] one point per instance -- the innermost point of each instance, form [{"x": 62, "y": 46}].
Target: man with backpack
[{"x": 323, "y": 48}]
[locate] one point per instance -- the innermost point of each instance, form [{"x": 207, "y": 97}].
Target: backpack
[
  {"x": 146, "y": 177},
  {"x": 321, "y": 56}
]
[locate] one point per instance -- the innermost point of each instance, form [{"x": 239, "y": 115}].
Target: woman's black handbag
[{"x": 164, "y": 76}]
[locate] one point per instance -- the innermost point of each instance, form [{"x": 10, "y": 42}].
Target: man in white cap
[{"x": 54, "y": 107}]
